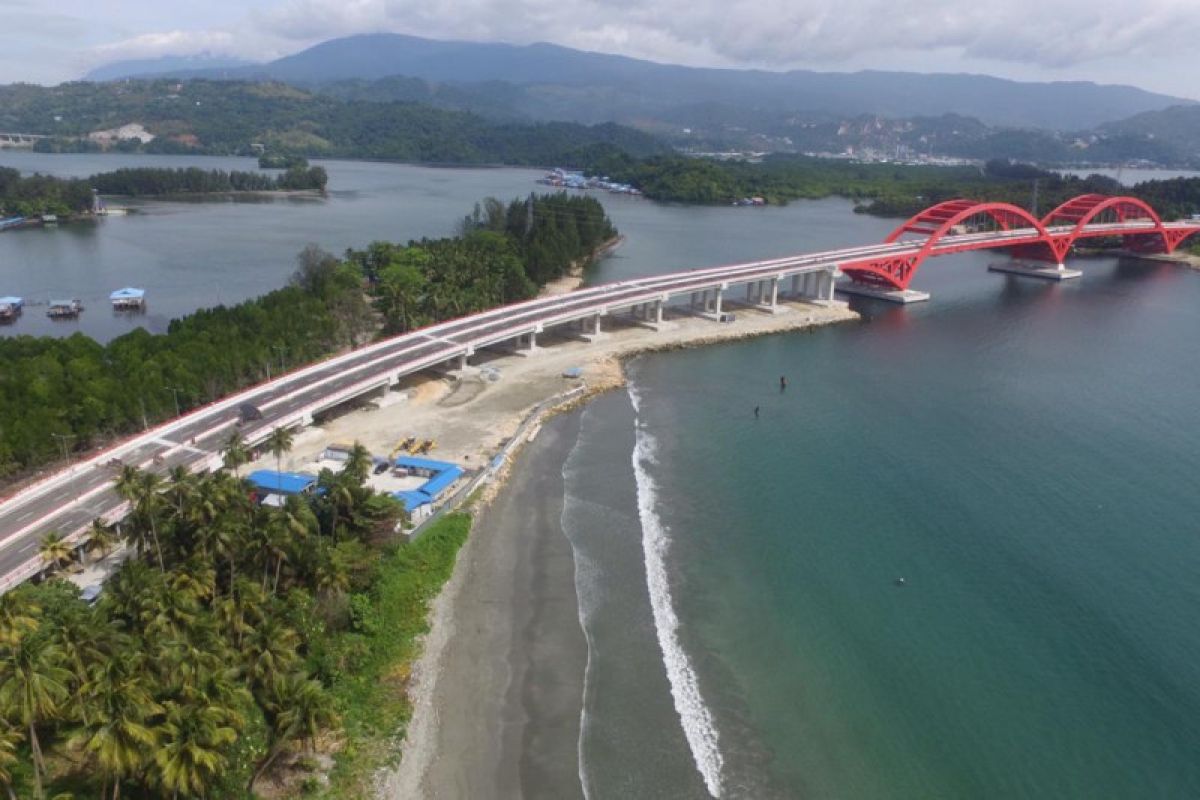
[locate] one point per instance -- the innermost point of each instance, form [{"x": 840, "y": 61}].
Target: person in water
[
  {"x": 782, "y": 382},
  {"x": 756, "y": 412}
]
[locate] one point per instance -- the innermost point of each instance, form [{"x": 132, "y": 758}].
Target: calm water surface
[{"x": 1023, "y": 454}]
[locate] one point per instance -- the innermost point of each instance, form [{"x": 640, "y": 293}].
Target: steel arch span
[
  {"x": 1048, "y": 239},
  {"x": 938, "y": 224}
]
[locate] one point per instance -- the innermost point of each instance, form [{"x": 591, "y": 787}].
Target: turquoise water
[{"x": 1024, "y": 455}]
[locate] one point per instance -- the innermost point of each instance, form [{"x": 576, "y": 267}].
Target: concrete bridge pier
[{"x": 1035, "y": 269}]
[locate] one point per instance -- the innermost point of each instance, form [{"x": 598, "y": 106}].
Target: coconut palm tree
[
  {"x": 190, "y": 754},
  {"x": 235, "y": 452},
  {"x": 18, "y": 617},
  {"x": 101, "y": 538},
  {"x": 56, "y": 551},
  {"x": 10, "y": 739},
  {"x": 280, "y": 442},
  {"x": 33, "y": 685},
  {"x": 269, "y": 651},
  {"x": 142, "y": 490},
  {"x": 117, "y": 732},
  {"x": 358, "y": 463},
  {"x": 297, "y": 708}
]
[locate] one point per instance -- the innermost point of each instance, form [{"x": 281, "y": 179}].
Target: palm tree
[
  {"x": 358, "y": 463},
  {"x": 142, "y": 490},
  {"x": 33, "y": 684},
  {"x": 18, "y": 616},
  {"x": 56, "y": 551},
  {"x": 297, "y": 707},
  {"x": 269, "y": 651},
  {"x": 235, "y": 452},
  {"x": 117, "y": 731},
  {"x": 280, "y": 442},
  {"x": 10, "y": 738},
  {"x": 101, "y": 537},
  {"x": 191, "y": 740}
]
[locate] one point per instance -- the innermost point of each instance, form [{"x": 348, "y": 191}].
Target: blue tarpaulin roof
[
  {"x": 438, "y": 483},
  {"x": 11, "y": 301},
  {"x": 412, "y": 500},
  {"x": 281, "y": 482},
  {"x": 412, "y": 462},
  {"x": 127, "y": 293}
]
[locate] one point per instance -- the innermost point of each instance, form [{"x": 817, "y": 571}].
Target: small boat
[{"x": 64, "y": 309}]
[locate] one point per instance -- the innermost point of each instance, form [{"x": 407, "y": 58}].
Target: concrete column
[
  {"x": 750, "y": 292},
  {"x": 774, "y": 293},
  {"x": 532, "y": 340},
  {"x": 829, "y": 284},
  {"x": 717, "y": 304},
  {"x": 658, "y": 312},
  {"x": 596, "y": 326},
  {"x": 462, "y": 361},
  {"x": 796, "y": 285}
]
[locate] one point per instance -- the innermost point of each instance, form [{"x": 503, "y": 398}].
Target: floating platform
[
  {"x": 902, "y": 296},
  {"x": 1046, "y": 272},
  {"x": 128, "y": 299}
]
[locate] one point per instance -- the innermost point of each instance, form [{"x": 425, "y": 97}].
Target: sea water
[{"x": 956, "y": 557}]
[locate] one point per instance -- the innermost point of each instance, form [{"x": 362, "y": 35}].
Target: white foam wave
[{"x": 696, "y": 718}]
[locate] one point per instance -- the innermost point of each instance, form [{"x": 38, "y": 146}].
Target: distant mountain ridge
[
  {"x": 145, "y": 66},
  {"x": 554, "y": 82}
]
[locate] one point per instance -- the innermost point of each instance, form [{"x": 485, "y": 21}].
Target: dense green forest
[
  {"x": 41, "y": 194},
  {"x": 149, "y": 181},
  {"x": 893, "y": 190},
  {"x": 503, "y": 255},
  {"x": 87, "y": 392},
  {"x": 225, "y": 117},
  {"x": 235, "y": 643}
]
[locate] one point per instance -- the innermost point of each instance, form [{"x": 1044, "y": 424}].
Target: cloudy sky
[{"x": 1146, "y": 43}]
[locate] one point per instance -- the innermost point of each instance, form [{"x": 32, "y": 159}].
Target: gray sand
[{"x": 507, "y": 686}]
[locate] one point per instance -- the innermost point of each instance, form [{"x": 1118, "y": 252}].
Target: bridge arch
[
  {"x": 937, "y": 223},
  {"x": 1082, "y": 211}
]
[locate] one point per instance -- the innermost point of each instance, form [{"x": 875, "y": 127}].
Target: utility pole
[{"x": 142, "y": 405}]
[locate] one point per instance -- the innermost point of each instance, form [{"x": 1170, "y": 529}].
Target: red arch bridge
[{"x": 958, "y": 226}]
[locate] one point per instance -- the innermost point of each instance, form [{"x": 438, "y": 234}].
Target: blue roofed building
[{"x": 270, "y": 481}]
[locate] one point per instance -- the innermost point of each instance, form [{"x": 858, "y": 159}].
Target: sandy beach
[
  {"x": 502, "y": 674},
  {"x": 497, "y": 692}
]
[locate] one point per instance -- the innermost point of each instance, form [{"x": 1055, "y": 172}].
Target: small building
[
  {"x": 442, "y": 481},
  {"x": 128, "y": 298},
  {"x": 268, "y": 481},
  {"x": 338, "y": 451},
  {"x": 415, "y": 502},
  {"x": 423, "y": 467}
]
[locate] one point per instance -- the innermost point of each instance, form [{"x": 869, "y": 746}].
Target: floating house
[
  {"x": 128, "y": 299},
  {"x": 64, "y": 309},
  {"x": 10, "y": 308}
]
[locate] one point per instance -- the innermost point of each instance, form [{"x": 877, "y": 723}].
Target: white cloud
[{"x": 1046, "y": 35}]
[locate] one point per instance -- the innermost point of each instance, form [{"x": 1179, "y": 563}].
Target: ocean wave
[{"x": 699, "y": 728}]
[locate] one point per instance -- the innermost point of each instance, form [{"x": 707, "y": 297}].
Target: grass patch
[{"x": 372, "y": 697}]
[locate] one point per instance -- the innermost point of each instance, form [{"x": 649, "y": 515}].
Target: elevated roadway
[{"x": 68, "y": 500}]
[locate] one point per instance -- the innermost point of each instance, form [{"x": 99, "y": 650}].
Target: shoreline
[{"x": 507, "y": 690}]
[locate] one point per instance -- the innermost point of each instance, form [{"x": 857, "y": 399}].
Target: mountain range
[{"x": 546, "y": 81}]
